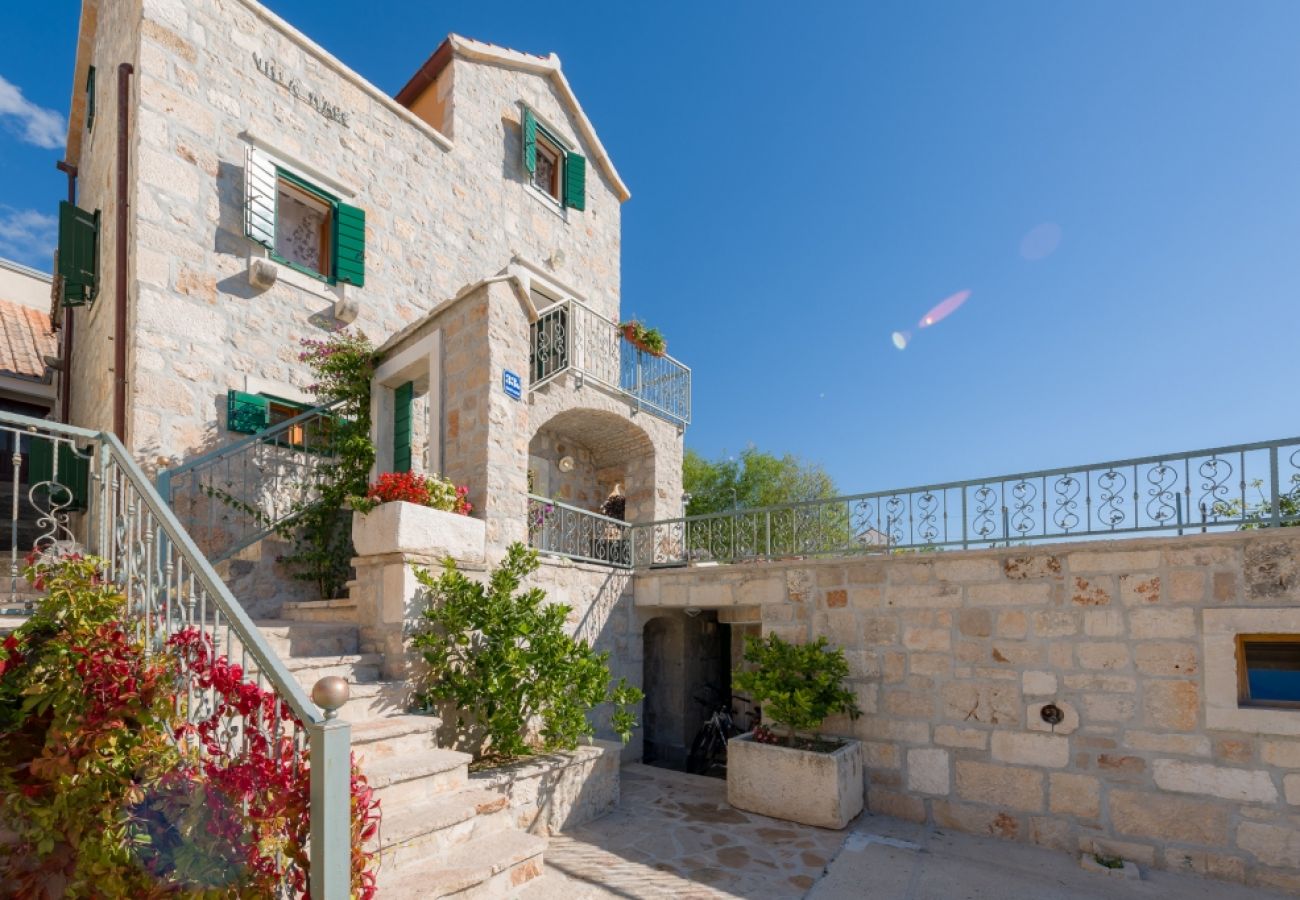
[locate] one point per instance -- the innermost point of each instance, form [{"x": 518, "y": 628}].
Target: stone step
[
  {"x": 309, "y": 638},
  {"x": 555, "y": 885},
  {"x": 400, "y": 779},
  {"x": 432, "y": 827},
  {"x": 495, "y": 866},
  {"x": 377, "y": 700},
  {"x": 357, "y": 668},
  {"x": 396, "y": 734},
  {"x": 342, "y": 610},
  {"x": 8, "y": 623}
]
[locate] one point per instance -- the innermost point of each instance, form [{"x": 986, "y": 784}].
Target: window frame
[
  {"x": 1244, "y": 700},
  {"x": 548, "y": 144},
  {"x": 303, "y": 186}
]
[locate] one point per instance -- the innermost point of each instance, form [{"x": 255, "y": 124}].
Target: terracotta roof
[{"x": 25, "y": 340}]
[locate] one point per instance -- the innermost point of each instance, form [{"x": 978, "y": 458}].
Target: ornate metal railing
[
  {"x": 572, "y": 337},
  {"x": 1241, "y": 486},
  {"x": 69, "y": 488},
  {"x": 559, "y": 529},
  {"x": 234, "y": 496}
]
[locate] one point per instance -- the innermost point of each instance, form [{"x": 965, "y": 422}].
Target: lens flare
[
  {"x": 900, "y": 339},
  {"x": 943, "y": 309},
  {"x": 1040, "y": 241}
]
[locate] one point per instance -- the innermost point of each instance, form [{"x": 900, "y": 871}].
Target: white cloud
[
  {"x": 28, "y": 236},
  {"x": 37, "y": 125}
]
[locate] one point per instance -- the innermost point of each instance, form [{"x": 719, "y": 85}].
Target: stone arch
[{"x": 606, "y": 449}]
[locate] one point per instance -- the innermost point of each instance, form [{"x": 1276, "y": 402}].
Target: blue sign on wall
[{"x": 512, "y": 383}]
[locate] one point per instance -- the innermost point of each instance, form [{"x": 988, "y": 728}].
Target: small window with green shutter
[
  {"x": 552, "y": 168},
  {"x": 403, "y": 398},
  {"x": 90, "y": 98},
  {"x": 303, "y": 226},
  {"x": 78, "y": 254}
]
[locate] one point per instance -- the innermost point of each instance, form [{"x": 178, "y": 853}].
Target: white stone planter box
[
  {"x": 822, "y": 789},
  {"x": 410, "y": 528},
  {"x": 559, "y": 790}
]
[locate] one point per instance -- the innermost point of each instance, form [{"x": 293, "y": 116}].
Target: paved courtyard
[{"x": 673, "y": 835}]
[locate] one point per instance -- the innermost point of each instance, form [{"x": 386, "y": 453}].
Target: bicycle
[{"x": 709, "y": 748}]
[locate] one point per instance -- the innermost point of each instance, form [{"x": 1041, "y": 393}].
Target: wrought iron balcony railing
[
  {"x": 571, "y": 337},
  {"x": 73, "y": 489},
  {"x": 557, "y": 529},
  {"x": 1225, "y": 488}
]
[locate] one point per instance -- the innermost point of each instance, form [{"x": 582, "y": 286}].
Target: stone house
[{"x": 247, "y": 190}]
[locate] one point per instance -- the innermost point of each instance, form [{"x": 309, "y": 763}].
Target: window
[
  {"x": 77, "y": 262},
  {"x": 553, "y": 169},
  {"x": 302, "y": 225},
  {"x": 1269, "y": 670},
  {"x": 90, "y": 98},
  {"x": 255, "y": 413}
]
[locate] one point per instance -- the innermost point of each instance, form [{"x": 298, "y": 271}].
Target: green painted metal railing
[
  {"x": 169, "y": 586},
  {"x": 1224, "y": 488}
]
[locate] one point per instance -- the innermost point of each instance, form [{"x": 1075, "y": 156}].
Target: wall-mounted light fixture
[{"x": 565, "y": 464}]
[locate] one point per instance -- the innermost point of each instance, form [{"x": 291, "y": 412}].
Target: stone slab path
[{"x": 673, "y": 835}]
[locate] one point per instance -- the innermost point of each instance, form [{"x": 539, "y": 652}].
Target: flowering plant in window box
[
  {"x": 651, "y": 340},
  {"x": 422, "y": 490},
  {"x": 404, "y": 512}
]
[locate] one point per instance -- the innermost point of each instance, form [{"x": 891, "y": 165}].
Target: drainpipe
[
  {"x": 65, "y": 374},
  {"x": 124, "y": 72}
]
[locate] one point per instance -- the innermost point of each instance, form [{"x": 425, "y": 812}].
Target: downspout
[
  {"x": 65, "y": 374},
  {"x": 124, "y": 72}
]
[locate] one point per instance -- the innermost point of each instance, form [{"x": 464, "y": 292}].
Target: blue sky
[{"x": 807, "y": 183}]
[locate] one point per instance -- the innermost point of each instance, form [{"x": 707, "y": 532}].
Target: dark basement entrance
[{"x": 686, "y": 677}]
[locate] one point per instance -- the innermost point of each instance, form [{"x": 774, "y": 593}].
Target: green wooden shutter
[
  {"x": 530, "y": 141},
  {"x": 575, "y": 181},
  {"x": 73, "y": 473},
  {"x": 246, "y": 413},
  {"x": 260, "y": 192},
  {"x": 350, "y": 245},
  {"x": 402, "y": 427},
  {"x": 90, "y": 98},
  {"x": 78, "y": 258}
]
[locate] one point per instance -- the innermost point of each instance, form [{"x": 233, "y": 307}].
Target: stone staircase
[{"x": 439, "y": 836}]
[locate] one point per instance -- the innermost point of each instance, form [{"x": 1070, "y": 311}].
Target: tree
[{"x": 755, "y": 479}]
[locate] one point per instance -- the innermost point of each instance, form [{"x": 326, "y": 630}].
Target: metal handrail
[
  {"x": 1202, "y": 490},
  {"x": 170, "y": 586},
  {"x": 559, "y": 529},
  {"x": 571, "y": 336},
  {"x": 244, "y": 491}
]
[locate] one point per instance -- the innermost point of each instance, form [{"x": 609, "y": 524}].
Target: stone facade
[
  {"x": 440, "y": 213},
  {"x": 954, "y": 656}
]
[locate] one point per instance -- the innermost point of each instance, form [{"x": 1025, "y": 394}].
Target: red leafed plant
[
  {"x": 410, "y": 487},
  {"x": 111, "y": 789}
]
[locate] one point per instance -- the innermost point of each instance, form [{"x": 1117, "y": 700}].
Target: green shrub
[
  {"x": 502, "y": 656},
  {"x": 797, "y": 685}
]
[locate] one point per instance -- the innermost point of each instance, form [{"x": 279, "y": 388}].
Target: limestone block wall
[
  {"x": 953, "y": 656},
  {"x": 440, "y": 214},
  {"x": 602, "y": 613},
  {"x": 116, "y": 40}
]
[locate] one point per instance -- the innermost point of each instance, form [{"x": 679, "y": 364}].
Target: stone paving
[{"x": 673, "y": 835}]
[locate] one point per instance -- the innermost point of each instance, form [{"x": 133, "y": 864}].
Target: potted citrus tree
[{"x": 785, "y": 769}]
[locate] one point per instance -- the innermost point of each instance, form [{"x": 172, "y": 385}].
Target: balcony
[{"x": 571, "y": 337}]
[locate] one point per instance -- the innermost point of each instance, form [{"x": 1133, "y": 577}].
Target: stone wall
[
  {"x": 953, "y": 656},
  {"x": 440, "y": 214},
  {"x": 116, "y": 40},
  {"x": 548, "y": 794}
]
